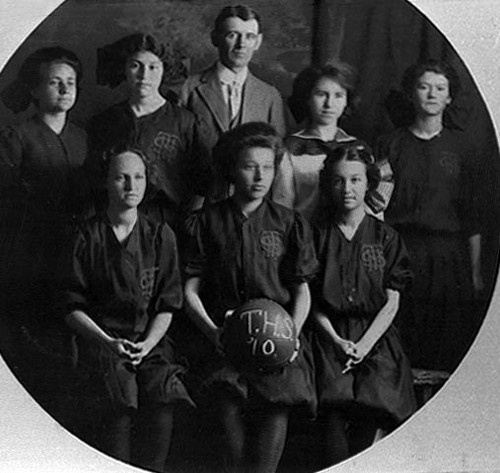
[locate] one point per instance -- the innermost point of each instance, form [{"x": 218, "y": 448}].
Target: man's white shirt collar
[{"x": 227, "y": 76}]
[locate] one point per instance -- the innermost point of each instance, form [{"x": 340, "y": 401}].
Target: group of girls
[{"x": 125, "y": 279}]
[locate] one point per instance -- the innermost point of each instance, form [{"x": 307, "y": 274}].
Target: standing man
[{"x": 227, "y": 94}]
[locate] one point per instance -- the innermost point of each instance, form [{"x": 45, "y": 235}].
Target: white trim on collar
[{"x": 340, "y": 136}]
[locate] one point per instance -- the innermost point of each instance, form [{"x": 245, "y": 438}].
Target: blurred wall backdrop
[{"x": 380, "y": 38}]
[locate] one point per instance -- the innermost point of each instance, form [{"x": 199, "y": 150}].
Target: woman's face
[
  {"x": 327, "y": 103},
  {"x": 349, "y": 184},
  {"x": 126, "y": 182},
  {"x": 56, "y": 92},
  {"x": 144, "y": 72},
  {"x": 432, "y": 94},
  {"x": 253, "y": 174}
]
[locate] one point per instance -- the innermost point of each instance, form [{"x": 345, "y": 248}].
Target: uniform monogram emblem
[
  {"x": 271, "y": 243},
  {"x": 449, "y": 162},
  {"x": 165, "y": 146},
  {"x": 147, "y": 282},
  {"x": 372, "y": 257}
]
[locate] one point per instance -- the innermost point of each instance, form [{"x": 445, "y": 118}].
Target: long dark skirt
[{"x": 438, "y": 318}]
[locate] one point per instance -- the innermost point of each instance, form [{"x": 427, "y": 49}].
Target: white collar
[
  {"x": 227, "y": 76},
  {"x": 340, "y": 136}
]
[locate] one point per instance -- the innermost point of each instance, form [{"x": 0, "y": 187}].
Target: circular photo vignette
[{"x": 483, "y": 341}]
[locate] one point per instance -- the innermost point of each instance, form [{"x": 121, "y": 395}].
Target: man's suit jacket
[{"x": 202, "y": 94}]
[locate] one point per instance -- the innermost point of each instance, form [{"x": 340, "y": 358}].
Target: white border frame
[{"x": 457, "y": 431}]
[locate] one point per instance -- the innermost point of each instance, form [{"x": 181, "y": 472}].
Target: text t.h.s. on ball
[{"x": 260, "y": 335}]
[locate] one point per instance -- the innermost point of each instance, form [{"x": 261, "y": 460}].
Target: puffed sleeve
[
  {"x": 283, "y": 191},
  {"x": 11, "y": 156},
  {"x": 196, "y": 253},
  {"x": 397, "y": 273},
  {"x": 301, "y": 264},
  {"x": 168, "y": 294},
  {"x": 75, "y": 273},
  {"x": 12, "y": 196}
]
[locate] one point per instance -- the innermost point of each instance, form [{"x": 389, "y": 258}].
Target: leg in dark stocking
[
  {"x": 233, "y": 433},
  {"x": 267, "y": 442},
  {"x": 116, "y": 435},
  {"x": 361, "y": 435},
  {"x": 336, "y": 447},
  {"x": 152, "y": 436}
]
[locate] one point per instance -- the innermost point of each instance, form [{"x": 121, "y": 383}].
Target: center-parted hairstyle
[
  {"x": 17, "y": 95},
  {"x": 357, "y": 151},
  {"x": 115, "y": 151},
  {"x": 112, "y": 58},
  {"x": 248, "y": 135},
  {"x": 306, "y": 81}
]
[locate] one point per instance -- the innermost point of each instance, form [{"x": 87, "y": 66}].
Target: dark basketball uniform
[
  {"x": 436, "y": 208},
  {"x": 41, "y": 191},
  {"x": 240, "y": 258},
  {"x": 122, "y": 287},
  {"x": 42, "y": 195},
  {"x": 170, "y": 137},
  {"x": 351, "y": 289}
]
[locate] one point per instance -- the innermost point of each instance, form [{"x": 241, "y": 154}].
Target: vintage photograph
[{"x": 241, "y": 237}]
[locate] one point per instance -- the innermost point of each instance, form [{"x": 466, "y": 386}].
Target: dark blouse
[
  {"x": 434, "y": 182},
  {"x": 170, "y": 137},
  {"x": 122, "y": 286},
  {"x": 354, "y": 274},
  {"x": 42, "y": 168},
  {"x": 240, "y": 258}
]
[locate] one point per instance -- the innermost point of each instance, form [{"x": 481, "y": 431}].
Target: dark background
[{"x": 380, "y": 38}]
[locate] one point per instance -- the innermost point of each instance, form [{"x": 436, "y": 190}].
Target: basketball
[{"x": 259, "y": 335}]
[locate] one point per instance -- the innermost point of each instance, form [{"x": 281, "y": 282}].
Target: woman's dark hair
[
  {"x": 240, "y": 11},
  {"x": 111, "y": 153},
  {"x": 306, "y": 81},
  {"x": 249, "y": 135},
  {"x": 17, "y": 95},
  {"x": 416, "y": 71},
  {"x": 112, "y": 59},
  {"x": 357, "y": 151}
]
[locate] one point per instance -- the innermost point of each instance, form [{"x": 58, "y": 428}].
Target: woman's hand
[
  {"x": 348, "y": 347},
  {"x": 120, "y": 347},
  {"x": 361, "y": 351},
  {"x": 138, "y": 351},
  {"x": 358, "y": 353},
  {"x": 296, "y": 351}
]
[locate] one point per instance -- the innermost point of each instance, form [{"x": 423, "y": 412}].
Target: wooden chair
[{"x": 427, "y": 383}]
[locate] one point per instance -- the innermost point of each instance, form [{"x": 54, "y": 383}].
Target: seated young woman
[{"x": 122, "y": 287}]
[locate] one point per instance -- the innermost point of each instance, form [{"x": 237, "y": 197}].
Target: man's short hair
[
  {"x": 240, "y": 11},
  {"x": 249, "y": 135}
]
